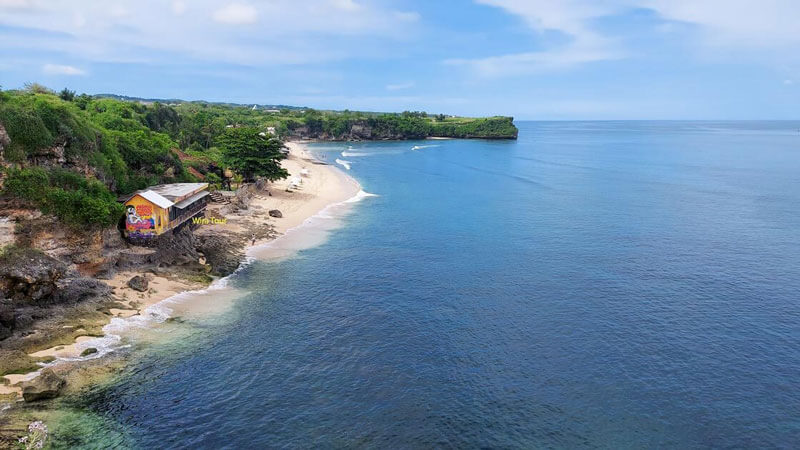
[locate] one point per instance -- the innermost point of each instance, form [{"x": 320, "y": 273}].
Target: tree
[
  {"x": 83, "y": 100},
  {"x": 36, "y": 88},
  {"x": 67, "y": 95},
  {"x": 246, "y": 151}
]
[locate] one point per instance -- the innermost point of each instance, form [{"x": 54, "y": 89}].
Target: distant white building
[
  {"x": 273, "y": 111},
  {"x": 255, "y": 107}
]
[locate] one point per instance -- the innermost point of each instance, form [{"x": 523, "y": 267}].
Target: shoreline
[{"x": 323, "y": 186}]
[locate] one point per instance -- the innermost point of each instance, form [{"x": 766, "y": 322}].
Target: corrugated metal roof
[
  {"x": 177, "y": 190},
  {"x": 156, "y": 199},
  {"x": 192, "y": 199}
]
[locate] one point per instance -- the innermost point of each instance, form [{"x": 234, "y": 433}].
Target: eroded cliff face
[
  {"x": 5, "y": 140},
  {"x": 62, "y": 154}
]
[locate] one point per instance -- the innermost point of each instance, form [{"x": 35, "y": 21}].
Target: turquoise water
[{"x": 593, "y": 284}]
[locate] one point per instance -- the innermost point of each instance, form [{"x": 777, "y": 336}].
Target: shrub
[{"x": 67, "y": 195}]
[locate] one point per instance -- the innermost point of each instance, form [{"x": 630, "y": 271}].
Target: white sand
[{"x": 323, "y": 186}]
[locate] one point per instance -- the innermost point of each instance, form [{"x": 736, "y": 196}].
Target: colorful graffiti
[{"x": 140, "y": 219}]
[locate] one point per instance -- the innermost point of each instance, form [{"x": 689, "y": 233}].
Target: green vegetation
[
  {"x": 201, "y": 122},
  {"x": 252, "y": 153},
  {"x": 72, "y": 155},
  {"x": 109, "y": 139},
  {"x": 67, "y": 195}
]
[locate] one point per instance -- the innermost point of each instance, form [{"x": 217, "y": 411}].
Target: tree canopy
[{"x": 252, "y": 153}]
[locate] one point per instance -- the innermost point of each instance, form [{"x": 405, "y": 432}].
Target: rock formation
[
  {"x": 138, "y": 283},
  {"x": 46, "y": 385}
]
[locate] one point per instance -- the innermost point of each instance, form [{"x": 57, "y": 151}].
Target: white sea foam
[
  {"x": 343, "y": 163},
  {"x": 356, "y": 154},
  {"x": 153, "y": 314},
  {"x": 419, "y": 147},
  {"x": 361, "y": 195}
]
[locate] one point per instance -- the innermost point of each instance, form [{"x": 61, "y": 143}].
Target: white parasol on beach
[{"x": 295, "y": 182}]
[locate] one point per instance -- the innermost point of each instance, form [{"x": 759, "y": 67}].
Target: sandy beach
[{"x": 322, "y": 185}]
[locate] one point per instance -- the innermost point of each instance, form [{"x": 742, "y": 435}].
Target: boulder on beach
[
  {"x": 138, "y": 283},
  {"x": 46, "y": 385},
  {"x": 275, "y": 213}
]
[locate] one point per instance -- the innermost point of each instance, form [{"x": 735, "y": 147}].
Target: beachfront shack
[{"x": 152, "y": 212}]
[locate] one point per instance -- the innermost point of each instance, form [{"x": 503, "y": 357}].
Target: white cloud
[
  {"x": 406, "y": 16},
  {"x": 78, "y": 20},
  {"x": 118, "y": 11},
  {"x": 236, "y": 14},
  {"x": 178, "y": 7},
  {"x": 766, "y": 23},
  {"x": 346, "y": 5},
  {"x": 571, "y": 19},
  {"x": 59, "y": 69},
  {"x": 14, "y": 4},
  {"x": 158, "y": 31},
  {"x": 739, "y": 24},
  {"x": 400, "y": 86},
  {"x": 534, "y": 62}
]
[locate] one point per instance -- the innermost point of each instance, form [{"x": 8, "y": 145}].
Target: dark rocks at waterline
[
  {"x": 18, "y": 314},
  {"x": 275, "y": 213},
  {"x": 89, "y": 351},
  {"x": 222, "y": 253},
  {"x": 177, "y": 247},
  {"x": 138, "y": 283},
  {"x": 47, "y": 385}
]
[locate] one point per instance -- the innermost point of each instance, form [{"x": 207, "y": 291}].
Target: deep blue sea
[{"x": 590, "y": 285}]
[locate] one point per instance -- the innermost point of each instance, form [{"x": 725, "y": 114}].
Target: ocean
[{"x": 590, "y": 285}]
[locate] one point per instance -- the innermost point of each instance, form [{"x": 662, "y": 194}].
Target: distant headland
[{"x": 309, "y": 123}]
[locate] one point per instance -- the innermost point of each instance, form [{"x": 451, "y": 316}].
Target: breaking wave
[
  {"x": 346, "y": 154},
  {"x": 153, "y": 314}
]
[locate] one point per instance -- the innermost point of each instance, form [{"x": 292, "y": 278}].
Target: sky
[{"x": 531, "y": 59}]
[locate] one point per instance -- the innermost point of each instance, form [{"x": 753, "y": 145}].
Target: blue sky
[{"x": 534, "y": 59}]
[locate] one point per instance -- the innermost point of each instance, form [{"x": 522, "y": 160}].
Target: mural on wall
[{"x": 140, "y": 219}]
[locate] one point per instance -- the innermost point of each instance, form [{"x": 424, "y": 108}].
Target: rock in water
[
  {"x": 46, "y": 385},
  {"x": 89, "y": 351},
  {"x": 275, "y": 213},
  {"x": 138, "y": 283}
]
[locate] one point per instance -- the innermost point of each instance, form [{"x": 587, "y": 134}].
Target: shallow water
[{"x": 593, "y": 284}]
